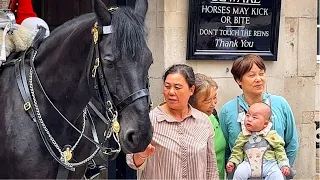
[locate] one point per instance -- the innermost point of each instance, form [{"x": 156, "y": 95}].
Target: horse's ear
[
  {"x": 141, "y": 8},
  {"x": 102, "y": 12}
]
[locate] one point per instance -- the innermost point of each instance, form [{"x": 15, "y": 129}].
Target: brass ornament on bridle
[{"x": 95, "y": 32}]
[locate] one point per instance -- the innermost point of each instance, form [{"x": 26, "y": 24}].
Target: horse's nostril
[{"x": 131, "y": 137}]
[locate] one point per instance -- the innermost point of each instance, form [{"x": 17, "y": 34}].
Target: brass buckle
[
  {"x": 95, "y": 33},
  {"x": 27, "y": 106},
  {"x": 116, "y": 126},
  {"x": 95, "y": 67}
]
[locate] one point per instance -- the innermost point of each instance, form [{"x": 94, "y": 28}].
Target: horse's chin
[{"x": 128, "y": 149}]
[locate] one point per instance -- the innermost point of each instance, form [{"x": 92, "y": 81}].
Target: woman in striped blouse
[{"x": 182, "y": 145}]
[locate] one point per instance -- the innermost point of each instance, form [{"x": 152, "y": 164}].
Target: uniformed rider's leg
[
  {"x": 243, "y": 171},
  {"x": 271, "y": 170}
]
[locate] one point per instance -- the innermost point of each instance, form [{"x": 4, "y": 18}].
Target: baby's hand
[
  {"x": 230, "y": 167},
  {"x": 285, "y": 171}
]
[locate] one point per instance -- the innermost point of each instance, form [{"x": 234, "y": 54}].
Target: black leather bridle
[
  {"x": 100, "y": 82},
  {"x": 97, "y": 78}
]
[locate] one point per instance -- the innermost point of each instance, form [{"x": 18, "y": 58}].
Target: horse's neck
[{"x": 62, "y": 70}]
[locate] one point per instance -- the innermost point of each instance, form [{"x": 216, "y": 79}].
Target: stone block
[
  {"x": 156, "y": 45},
  {"x": 306, "y": 168},
  {"x": 176, "y": 19},
  {"x": 275, "y": 85},
  {"x": 160, "y": 19},
  {"x": 318, "y": 74},
  {"x": 175, "y": 45},
  {"x": 152, "y": 6},
  {"x": 290, "y": 44},
  {"x": 170, "y": 5},
  {"x": 308, "y": 117},
  {"x": 151, "y": 20},
  {"x": 228, "y": 90},
  {"x": 298, "y": 8},
  {"x": 300, "y": 93},
  {"x": 156, "y": 89},
  {"x": 182, "y": 6},
  {"x": 160, "y": 5},
  {"x": 215, "y": 68},
  {"x": 307, "y": 53}
]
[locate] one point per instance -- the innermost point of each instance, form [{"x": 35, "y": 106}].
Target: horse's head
[{"x": 125, "y": 60}]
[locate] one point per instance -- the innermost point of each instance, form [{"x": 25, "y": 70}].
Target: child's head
[{"x": 257, "y": 117}]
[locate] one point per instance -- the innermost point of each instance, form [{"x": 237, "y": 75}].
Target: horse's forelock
[{"x": 128, "y": 38}]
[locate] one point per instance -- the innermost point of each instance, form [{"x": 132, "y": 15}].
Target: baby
[{"x": 259, "y": 151}]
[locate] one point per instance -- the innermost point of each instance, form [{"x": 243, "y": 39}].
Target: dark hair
[
  {"x": 185, "y": 70},
  {"x": 203, "y": 84},
  {"x": 243, "y": 65}
]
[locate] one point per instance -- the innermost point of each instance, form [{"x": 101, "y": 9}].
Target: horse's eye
[{"x": 109, "y": 64}]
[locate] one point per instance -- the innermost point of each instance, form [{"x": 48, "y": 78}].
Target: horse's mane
[
  {"x": 64, "y": 30},
  {"x": 128, "y": 35}
]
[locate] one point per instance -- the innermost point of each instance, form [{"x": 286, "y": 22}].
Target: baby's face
[{"x": 255, "y": 119}]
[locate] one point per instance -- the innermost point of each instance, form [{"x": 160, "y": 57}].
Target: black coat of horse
[{"x": 64, "y": 64}]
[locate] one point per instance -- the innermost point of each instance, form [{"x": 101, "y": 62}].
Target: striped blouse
[{"x": 183, "y": 149}]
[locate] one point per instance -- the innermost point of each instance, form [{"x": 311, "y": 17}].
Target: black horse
[{"x": 66, "y": 64}]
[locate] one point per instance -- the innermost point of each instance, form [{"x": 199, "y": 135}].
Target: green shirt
[{"x": 219, "y": 146}]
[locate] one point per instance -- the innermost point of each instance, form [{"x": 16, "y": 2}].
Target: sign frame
[{"x": 213, "y": 54}]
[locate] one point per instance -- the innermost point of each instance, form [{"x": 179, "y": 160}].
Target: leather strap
[
  {"x": 24, "y": 89},
  {"x": 63, "y": 173},
  {"x": 130, "y": 99},
  {"x": 39, "y": 37}
]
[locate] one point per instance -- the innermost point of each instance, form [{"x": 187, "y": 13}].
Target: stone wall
[
  {"x": 293, "y": 76},
  {"x": 317, "y": 118}
]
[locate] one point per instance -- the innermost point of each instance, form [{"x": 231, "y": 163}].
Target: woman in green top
[{"x": 205, "y": 100}]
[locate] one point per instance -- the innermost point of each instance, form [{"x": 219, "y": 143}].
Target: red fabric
[{"x": 23, "y": 11}]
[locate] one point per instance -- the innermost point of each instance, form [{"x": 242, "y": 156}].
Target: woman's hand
[
  {"x": 140, "y": 157},
  {"x": 230, "y": 167},
  {"x": 285, "y": 171},
  {"x": 146, "y": 153}
]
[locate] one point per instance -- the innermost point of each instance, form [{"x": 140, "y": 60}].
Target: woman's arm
[
  {"x": 212, "y": 167},
  {"x": 224, "y": 128},
  {"x": 137, "y": 161}
]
